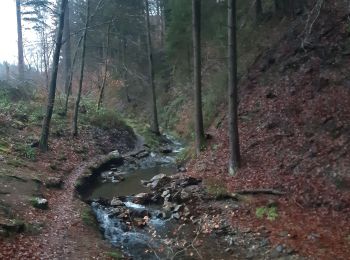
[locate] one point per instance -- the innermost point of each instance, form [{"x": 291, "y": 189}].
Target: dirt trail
[{"x": 66, "y": 236}]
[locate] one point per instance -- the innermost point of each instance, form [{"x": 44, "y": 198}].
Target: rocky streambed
[{"x": 149, "y": 210}]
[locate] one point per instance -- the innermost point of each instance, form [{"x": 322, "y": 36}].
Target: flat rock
[{"x": 115, "y": 202}]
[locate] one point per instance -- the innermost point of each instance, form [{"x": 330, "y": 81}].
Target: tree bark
[
  {"x": 196, "y": 31},
  {"x": 234, "y": 160},
  {"x": 154, "y": 123},
  {"x": 77, "y": 102},
  {"x": 67, "y": 50},
  {"x": 100, "y": 98},
  {"x": 258, "y": 10},
  {"x": 20, "y": 40},
  {"x": 52, "y": 89}
]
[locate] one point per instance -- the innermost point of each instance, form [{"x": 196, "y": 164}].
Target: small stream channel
[{"x": 159, "y": 236}]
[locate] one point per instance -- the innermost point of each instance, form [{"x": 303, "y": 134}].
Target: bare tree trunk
[
  {"x": 100, "y": 98},
  {"x": 52, "y": 90},
  {"x": 234, "y": 161},
  {"x": 77, "y": 102},
  {"x": 71, "y": 72},
  {"x": 258, "y": 10},
  {"x": 7, "y": 68},
  {"x": 154, "y": 123},
  {"x": 67, "y": 50},
  {"x": 196, "y": 32},
  {"x": 20, "y": 40}
]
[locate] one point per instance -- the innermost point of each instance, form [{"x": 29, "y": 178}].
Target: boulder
[
  {"x": 142, "y": 198},
  {"x": 159, "y": 183},
  {"x": 190, "y": 181}
]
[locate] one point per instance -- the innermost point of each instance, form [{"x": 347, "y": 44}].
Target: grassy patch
[
  {"x": 88, "y": 217},
  {"x": 115, "y": 255},
  {"x": 269, "y": 212},
  {"x": 216, "y": 189}
]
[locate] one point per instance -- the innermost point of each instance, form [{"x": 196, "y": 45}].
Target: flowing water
[{"x": 162, "y": 237}]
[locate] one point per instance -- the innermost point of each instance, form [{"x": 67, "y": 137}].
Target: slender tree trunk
[
  {"x": 154, "y": 123},
  {"x": 100, "y": 98},
  {"x": 71, "y": 72},
  {"x": 234, "y": 162},
  {"x": 196, "y": 31},
  {"x": 20, "y": 40},
  {"x": 77, "y": 102},
  {"x": 258, "y": 10},
  {"x": 7, "y": 67},
  {"x": 52, "y": 89},
  {"x": 67, "y": 50}
]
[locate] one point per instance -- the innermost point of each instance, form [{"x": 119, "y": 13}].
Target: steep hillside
[{"x": 295, "y": 137}]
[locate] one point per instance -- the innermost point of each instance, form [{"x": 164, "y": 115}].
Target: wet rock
[
  {"x": 54, "y": 182},
  {"x": 160, "y": 214},
  {"x": 116, "y": 202},
  {"x": 190, "y": 181},
  {"x": 178, "y": 208},
  {"x": 165, "y": 150},
  {"x": 112, "y": 177},
  {"x": 168, "y": 206},
  {"x": 115, "y": 153},
  {"x": 184, "y": 196},
  {"x": 165, "y": 193},
  {"x": 115, "y": 211},
  {"x": 181, "y": 169},
  {"x": 159, "y": 181},
  {"x": 176, "y": 216},
  {"x": 138, "y": 213},
  {"x": 142, "y": 198},
  {"x": 139, "y": 222},
  {"x": 40, "y": 203},
  {"x": 141, "y": 154}
]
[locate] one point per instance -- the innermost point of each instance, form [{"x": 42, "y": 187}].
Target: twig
[{"x": 261, "y": 191}]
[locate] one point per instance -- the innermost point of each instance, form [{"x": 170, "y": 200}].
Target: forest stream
[{"x": 143, "y": 229}]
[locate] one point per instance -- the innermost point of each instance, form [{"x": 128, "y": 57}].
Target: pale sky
[{"x": 8, "y": 31}]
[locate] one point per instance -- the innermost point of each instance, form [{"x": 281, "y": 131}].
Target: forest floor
[
  {"x": 67, "y": 229},
  {"x": 295, "y": 138}
]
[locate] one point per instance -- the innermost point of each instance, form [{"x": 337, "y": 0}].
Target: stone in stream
[
  {"x": 115, "y": 202},
  {"x": 165, "y": 150},
  {"x": 157, "y": 182},
  {"x": 142, "y": 198}
]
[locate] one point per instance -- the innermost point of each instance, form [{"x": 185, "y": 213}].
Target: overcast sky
[{"x": 8, "y": 31}]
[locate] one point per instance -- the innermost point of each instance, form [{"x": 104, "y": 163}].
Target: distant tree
[
  {"x": 258, "y": 10},
  {"x": 196, "y": 31},
  {"x": 234, "y": 160},
  {"x": 102, "y": 89},
  {"x": 52, "y": 89},
  {"x": 154, "y": 123},
  {"x": 20, "y": 40},
  {"x": 67, "y": 50},
  {"x": 81, "y": 79},
  {"x": 71, "y": 72}
]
